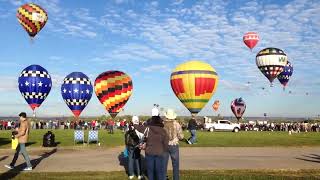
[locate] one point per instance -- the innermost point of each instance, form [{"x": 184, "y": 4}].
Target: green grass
[
  {"x": 204, "y": 139},
  {"x": 185, "y": 175}
]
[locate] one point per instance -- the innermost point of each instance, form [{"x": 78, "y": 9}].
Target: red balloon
[{"x": 251, "y": 39}]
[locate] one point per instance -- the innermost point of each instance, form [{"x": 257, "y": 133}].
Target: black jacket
[{"x": 192, "y": 125}]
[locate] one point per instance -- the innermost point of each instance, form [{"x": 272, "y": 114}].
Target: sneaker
[
  {"x": 8, "y": 166},
  {"x": 139, "y": 177},
  {"x": 27, "y": 169},
  {"x": 189, "y": 142},
  {"x": 131, "y": 177}
]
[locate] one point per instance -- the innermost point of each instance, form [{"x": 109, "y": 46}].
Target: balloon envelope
[
  {"x": 35, "y": 85},
  {"x": 194, "y": 83},
  {"x": 285, "y": 75},
  {"x": 32, "y": 18},
  {"x": 113, "y": 89},
  {"x": 238, "y": 107},
  {"x": 216, "y": 105},
  {"x": 76, "y": 92},
  {"x": 251, "y": 39},
  {"x": 271, "y": 62}
]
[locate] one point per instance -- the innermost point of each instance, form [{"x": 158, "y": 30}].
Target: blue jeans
[
  {"x": 21, "y": 149},
  {"x": 155, "y": 167},
  {"x": 193, "y": 136},
  {"x": 134, "y": 160},
  {"x": 173, "y": 152}
]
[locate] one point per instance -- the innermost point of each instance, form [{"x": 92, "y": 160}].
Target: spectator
[
  {"x": 192, "y": 127},
  {"x": 175, "y": 134}
]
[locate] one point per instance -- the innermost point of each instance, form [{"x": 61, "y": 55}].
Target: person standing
[
  {"x": 192, "y": 127},
  {"x": 134, "y": 157},
  {"x": 156, "y": 145},
  {"x": 22, "y": 135},
  {"x": 175, "y": 134}
]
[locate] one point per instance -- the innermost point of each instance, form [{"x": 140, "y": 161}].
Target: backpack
[{"x": 132, "y": 138}]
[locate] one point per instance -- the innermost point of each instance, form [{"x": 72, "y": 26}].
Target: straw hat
[{"x": 170, "y": 114}]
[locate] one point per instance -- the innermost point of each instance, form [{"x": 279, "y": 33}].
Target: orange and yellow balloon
[
  {"x": 113, "y": 89},
  {"x": 32, "y": 18},
  {"x": 215, "y": 105},
  {"x": 194, "y": 83}
]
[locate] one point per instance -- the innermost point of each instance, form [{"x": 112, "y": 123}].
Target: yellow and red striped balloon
[
  {"x": 32, "y": 18},
  {"x": 113, "y": 89},
  {"x": 194, "y": 83}
]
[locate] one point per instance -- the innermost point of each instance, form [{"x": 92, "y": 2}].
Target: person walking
[
  {"x": 22, "y": 135},
  {"x": 174, "y": 131},
  {"x": 156, "y": 145},
  {"x": 192, "y": 127},
  {"x": 134, "y": 157}
]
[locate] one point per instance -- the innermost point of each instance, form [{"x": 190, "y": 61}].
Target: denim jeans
[
  {"x": 173, "y": 152},
  {"x": 134, "y": 161},
  {"x": 155, "y": 167},
  {"x": 21, "y": 148},
  {"x": 193, "y": 136}
]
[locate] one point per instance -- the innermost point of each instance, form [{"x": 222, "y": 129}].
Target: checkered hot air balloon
[
  {"x": 35, "y": 85},
  {"x": 238, "y": 107},
  {"x": 251, "y": 39},
  {"x": 285, "y": 75},
  {"x": 194, "y": 83},
  {"x": 271, "y": 62},
  {"x": 32, "y": 18},
  {"x": 113, "y": 89},
  {"x": 76, "y": 92}
]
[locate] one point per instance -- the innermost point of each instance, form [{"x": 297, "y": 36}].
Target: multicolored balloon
[
  {"x": 251, "y": 39},
  {"x": 216, "y": 105},
  {"x": 76, "y": 92},
  {"x": 113, "y": 89},
  {"x": 238, "y": 107},
  {"x": 35, "y": 85},
  {"x": 271, "y": 62},
  {"x": 285, "y": 75},
  {"x": 32, "y": 18},
  {"x": 194, "y": 83}
]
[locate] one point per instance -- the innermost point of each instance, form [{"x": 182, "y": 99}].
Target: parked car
[{"x": 222, "y": 125}]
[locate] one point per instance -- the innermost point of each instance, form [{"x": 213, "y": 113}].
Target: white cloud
[
  {"x": 8, "y": 83},
  {"x": 156, "y": 68}
]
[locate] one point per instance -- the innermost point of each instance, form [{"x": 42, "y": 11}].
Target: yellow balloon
[{"x": 194, "y": 83}]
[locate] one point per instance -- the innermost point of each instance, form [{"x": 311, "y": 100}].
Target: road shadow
[
  {"x": 310, "y": 158},
  {"x": 4, "y": 158},
  {"x": 18, "y": 169},
  {"x": 4, "y": 141},
  {"x": 123, "y": 161}
]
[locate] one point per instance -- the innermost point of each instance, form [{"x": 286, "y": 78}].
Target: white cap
[
  {"x": 135, "y": 119},
  {"x": 155, "y": 112}
]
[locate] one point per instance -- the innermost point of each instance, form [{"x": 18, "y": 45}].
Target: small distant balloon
[
  {"x": 238, "y": 107},
  {"x": 216, "y": 105},
  {"x": 251, "y": 39}
]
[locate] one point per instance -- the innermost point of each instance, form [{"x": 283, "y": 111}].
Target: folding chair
[
  {"x": 93, "y": 136},
  {"x": 78, "y": 136}
]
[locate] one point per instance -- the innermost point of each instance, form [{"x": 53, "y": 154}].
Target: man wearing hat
[
  {"x": 174, "y": 131},
  {"x": 22, "y": 135}
]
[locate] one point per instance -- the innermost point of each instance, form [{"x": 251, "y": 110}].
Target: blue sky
[{"x": 147, "y": 39}]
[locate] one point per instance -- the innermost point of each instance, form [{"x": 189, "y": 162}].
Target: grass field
[
  {"x": 205, "y": 139},
  {"x": 185, "y": 175}
]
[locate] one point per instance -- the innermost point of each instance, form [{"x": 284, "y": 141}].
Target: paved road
[{"x": 83, "y": 159}]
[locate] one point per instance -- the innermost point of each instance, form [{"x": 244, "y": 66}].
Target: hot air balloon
[
  {"x": 251, "y": 39},
  {"x": 271, "y": 62},
  {"x": 216, "y": 105},
  {"x": 76, "y": 92},
  {"x": 35, "y": 85},
  {"x": 285, "y": 75},
  {"x": 238, "y": 107},
  {"x": 32, "y": 18},
  {"x": 113, "y": 89},
  {"x": 194, "y": 83}
]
